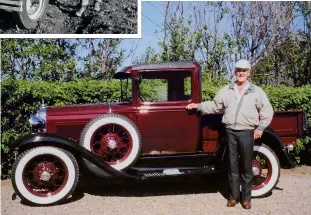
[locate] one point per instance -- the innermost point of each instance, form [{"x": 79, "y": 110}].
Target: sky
[{"x": 152, "y": 20}]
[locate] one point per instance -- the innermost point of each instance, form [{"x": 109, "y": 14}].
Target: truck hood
[{"x": 89, "y": 109}]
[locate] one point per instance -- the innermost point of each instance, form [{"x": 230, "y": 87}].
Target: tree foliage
[
  {"x": 60, "y": 59},
  {"x": 274, "y": 36},
  {"x": 38, "y": 59}
]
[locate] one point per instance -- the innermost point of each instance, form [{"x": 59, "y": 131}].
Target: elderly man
[{"x": 247, "y": 112}]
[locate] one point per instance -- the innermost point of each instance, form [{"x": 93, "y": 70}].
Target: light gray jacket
[{"x": 252, "y": 111}]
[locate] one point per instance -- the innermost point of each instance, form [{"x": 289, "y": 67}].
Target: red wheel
[
  {"x": 266, "y": 170},
  {"x": 114, "y": 138},
  {"x": 112, "y": 143},
  {"x": 45, "y": 175},
  {"x": 262, "y": 171}
]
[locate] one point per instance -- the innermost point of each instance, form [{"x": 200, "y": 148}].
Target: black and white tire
[
  {"x": 22, "y": 188},
  {"x": 32, "y": 12},
  {"x": 119, "y": 120},
  {"x": 273, "y": 171}
]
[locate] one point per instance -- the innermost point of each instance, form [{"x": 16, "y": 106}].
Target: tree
[
  {"x": 102, "y": 59},
  {"x": 38, "y": 59}
]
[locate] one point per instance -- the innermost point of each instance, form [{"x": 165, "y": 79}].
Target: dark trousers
[{"x": 240, "y": 145}]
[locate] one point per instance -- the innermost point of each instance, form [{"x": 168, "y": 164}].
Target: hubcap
[
  {"x": 255, "y": 171},
  {"x": 45, "y": 176},
  {"x": 34, "y": 8},
  {"x": 256, "y": 168},
  {"x": 112, "y": 144}
]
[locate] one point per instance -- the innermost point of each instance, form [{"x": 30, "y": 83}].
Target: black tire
[
  {"x": 132, "y": 132},
  {"x": 28, "y": 20},
  {"x": 22, "y": 185}
]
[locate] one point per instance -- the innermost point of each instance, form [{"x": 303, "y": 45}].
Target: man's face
[{"x": 242, "y": 74}]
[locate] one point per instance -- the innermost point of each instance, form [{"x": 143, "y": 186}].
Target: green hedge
[{"x": 20, "y": 98}]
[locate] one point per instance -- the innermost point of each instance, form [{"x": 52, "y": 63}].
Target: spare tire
[{"x": 114, "y": 138}]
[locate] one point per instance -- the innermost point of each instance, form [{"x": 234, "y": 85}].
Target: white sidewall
[
  {"x": 40, "y": 151},
  {"x": 37, "y": 13},
  {"x": 275, "y": 172},
  {"x": 115, "y": 120}
]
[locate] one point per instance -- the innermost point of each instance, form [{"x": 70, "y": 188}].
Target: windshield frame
[{"x": 126, "y": 94}]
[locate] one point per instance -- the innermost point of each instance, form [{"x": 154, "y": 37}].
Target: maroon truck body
[
  {"x": 166, "y": 127},
  {"x": 144, "y": 136}
]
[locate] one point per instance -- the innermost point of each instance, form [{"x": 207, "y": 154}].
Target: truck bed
[{"x": 287, "y": 124}]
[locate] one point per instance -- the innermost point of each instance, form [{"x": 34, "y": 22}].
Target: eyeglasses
[{"x": 241, "y": 70}]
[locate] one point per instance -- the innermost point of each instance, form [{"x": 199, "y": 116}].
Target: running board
[{"x": 163, "y": 172}]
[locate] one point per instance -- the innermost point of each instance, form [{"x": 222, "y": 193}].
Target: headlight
[{"x": 38, "y": 121}]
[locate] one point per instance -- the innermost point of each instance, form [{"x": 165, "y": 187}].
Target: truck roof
[{"x": 164, "y": 65}]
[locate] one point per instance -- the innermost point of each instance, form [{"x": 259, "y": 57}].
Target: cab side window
[{"x": 165, "y": 86}]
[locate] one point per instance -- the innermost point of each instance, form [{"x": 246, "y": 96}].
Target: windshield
[{"x": 126, "y": 89}]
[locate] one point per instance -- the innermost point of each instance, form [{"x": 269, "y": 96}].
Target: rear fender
[
  {"x": 42, "y": 139},
  {"x": 271, "y": 139}
]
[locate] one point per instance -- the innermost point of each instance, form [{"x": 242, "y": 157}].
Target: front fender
[{"x": 41, "y": 139}]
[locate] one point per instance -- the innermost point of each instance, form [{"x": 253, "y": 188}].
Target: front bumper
[{"x": 11, "y": 5}]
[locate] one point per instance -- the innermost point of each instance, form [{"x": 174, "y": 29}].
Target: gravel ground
[
  {"x": 115, "y": 17},
  {"x": 192, "y": 195}
]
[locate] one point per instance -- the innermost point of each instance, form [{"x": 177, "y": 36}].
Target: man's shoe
[
  {"x": 231, "y": 203},
  {"x": 246, "y": 205}
]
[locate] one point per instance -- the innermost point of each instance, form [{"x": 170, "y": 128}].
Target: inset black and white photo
[{"x": 69, "y": 16}]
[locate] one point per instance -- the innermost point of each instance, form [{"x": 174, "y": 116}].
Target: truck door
[{"x": 165, "y": 125}]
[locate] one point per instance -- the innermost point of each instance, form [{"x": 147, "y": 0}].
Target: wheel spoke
[
  {"x": 28, "y": 173},
  {"x": 263, "y": 175}
]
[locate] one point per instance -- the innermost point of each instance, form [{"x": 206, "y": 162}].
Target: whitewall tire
[
  {"x": 45, "y": 175},
  {"x": 266, "y": 171},
  {"x": 114, "y": 138}
]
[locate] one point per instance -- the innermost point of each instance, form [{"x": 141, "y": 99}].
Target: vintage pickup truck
[
  {"x": 148, "y": 133},
  {"x": 26, "y": 13}
]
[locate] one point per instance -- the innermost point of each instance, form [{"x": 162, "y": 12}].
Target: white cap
[{"x": 244, "y": 64}]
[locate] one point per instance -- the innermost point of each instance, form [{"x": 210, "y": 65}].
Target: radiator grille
[{"x": 72, "y": 130}]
